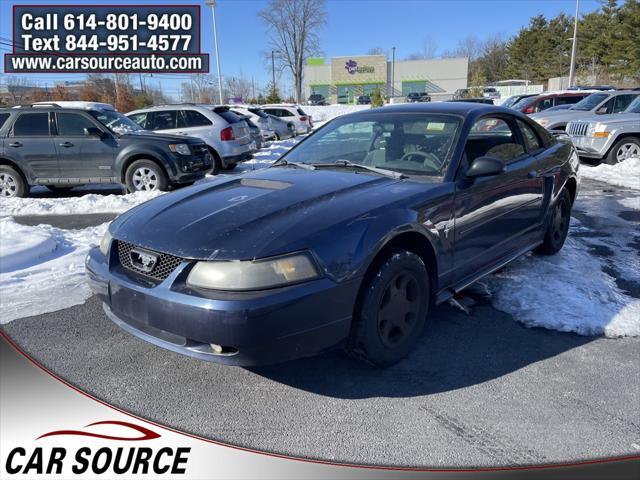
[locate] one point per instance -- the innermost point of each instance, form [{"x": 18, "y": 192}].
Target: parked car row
[
  {"x": 66, "y": 144},
  {"x": 604, "y": 125}
]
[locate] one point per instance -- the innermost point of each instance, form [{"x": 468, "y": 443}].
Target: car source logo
[{"x": 143, "y": 259}]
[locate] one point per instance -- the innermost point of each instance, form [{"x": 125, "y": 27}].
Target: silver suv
[
  {"x": 226, "y": 134},
  {"x": 600, "y": 103},
  {"x": 611, "y": 138},
  {"x": 257, "y": 116},
  {"x": 291, "y": 113}
]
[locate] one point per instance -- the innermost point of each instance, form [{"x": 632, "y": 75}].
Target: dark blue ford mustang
[{"x": 348, "y": 240}]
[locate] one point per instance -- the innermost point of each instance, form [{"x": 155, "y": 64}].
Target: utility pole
[
  {"x": 393, "y": 72},
  {"x": 212, "y": 4},
  {"x": 574, "y": 46}
]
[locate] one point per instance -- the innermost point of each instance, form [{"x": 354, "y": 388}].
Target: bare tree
[
  {"x": 18, "y": 88},
  {"x": 429, "y": 50},
  {"x": 205, "y": 88},
  {"x": 238, "y": 87},
  {"x": 429, "y": 47},
  {"x": 293, "y": 27},
  {"x": 377, "y": 51},
  {"x": 470, "y": 47}
]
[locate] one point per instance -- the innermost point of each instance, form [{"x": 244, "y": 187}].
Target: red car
[{"x": 547, "y": 100}]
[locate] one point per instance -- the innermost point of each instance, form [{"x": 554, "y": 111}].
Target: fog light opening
[{"x": 222, "y": 350}]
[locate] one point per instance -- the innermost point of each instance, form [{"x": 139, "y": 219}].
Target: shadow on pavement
[
  {"x": 456, "y": 351},
  {"x": 106, "y": 189}
]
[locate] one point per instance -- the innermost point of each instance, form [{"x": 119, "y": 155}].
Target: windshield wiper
[
  {"x": 286, "y": 163},
  {"x": 349, "y": 164}
]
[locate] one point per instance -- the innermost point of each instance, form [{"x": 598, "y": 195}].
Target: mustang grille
[
  {"x": 578, "y": 129},
  {"x": 165, "y": 265}
]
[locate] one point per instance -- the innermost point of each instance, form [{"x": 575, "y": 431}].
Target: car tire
[
  {"x": 145, "y": 175},
  {"x": 558, "y": 226},
  {"x": 277, "y": 137},
  {"x": 624, "y": 148},
  {"x": 12, "y": 183},
  {"x": 217, "y": 162},
  {"x": 392, "y": 310},
  {"x": 230, "y": 166}
]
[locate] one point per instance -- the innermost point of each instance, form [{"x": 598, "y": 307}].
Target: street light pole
[
  {"x": 574, "y": 45},
  {"x": 393, "y": 71},
  {"x": 212, "y": 4}
]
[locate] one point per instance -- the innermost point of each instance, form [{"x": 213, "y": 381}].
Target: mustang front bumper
[{"x": 250, "y": 328}]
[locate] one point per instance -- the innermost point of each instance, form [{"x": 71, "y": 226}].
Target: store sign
[{"x": 352, "y": 67}]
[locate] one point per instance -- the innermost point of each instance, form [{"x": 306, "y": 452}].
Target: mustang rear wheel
[
  {"x": 558, "y": 226},
  {"x": 392, "y": 312}
]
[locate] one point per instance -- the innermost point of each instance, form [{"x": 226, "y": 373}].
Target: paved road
[{"x": 479, "y": 390}]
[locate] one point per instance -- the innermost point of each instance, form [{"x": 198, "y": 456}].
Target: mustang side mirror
[
  {"x": 94, "y": 132},
  {"x": 485, "y": 167}
]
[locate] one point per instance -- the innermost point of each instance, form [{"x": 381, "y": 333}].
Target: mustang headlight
[
  {"x": 249, "y": 275},
  {"x": 105, "y": 242},
  {"x": 181, "y": 148}
]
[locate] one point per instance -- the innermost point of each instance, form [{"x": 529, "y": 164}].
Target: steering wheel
[{"x": 430, "y": 160}]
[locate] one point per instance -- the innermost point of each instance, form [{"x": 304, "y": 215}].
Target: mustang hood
[{"x": 260, "y": 214}]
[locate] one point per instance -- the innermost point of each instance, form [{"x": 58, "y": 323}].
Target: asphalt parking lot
[{"x": 480, "y": 389}]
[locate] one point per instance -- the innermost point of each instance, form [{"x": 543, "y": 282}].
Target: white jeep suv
[{"x": 226, "y": 134}]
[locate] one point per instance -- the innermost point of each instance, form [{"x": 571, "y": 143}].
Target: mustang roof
[{"x": 455, "y": 108}]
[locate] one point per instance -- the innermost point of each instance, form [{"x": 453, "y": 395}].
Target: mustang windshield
[{"x": 410, "y": 144}]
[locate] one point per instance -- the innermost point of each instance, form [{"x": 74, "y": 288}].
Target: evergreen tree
[{"x": 377, "y": 99}]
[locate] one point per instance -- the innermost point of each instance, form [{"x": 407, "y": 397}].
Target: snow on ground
[
  {"x": 323, "y": 113},
  {"x": 48, "y": 281},
  {"x": 567, "y": 292},
  {"x": 21, "y": 246},
  {"x": 624, "y": 174},
  {"x": 90, "y": 203}
]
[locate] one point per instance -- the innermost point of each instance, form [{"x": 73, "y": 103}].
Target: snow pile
[
  {"x": 323, "y": 113},
  {"x": 567, "y": 292},
  {"x": 50, "y": 281},
  {"x": 624, "y": 174},
  {"x": 91, "y": 203},
  {"x": 21, "y": 246}
]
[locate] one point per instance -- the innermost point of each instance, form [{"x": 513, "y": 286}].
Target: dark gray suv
[{"x": 66, "y": 144}]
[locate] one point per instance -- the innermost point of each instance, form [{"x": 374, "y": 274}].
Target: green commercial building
[{"x": 343, "y": 79}]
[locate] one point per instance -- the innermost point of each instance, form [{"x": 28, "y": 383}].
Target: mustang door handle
[
  {"x": 15, "y": 144},
  {"x": 532, "y": 174},
  {"x": 66, "y": 144}
]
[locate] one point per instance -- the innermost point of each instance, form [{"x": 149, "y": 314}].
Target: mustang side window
[
  {"x": 492, "y": 137},
  {"x": 530, "y": 138}
]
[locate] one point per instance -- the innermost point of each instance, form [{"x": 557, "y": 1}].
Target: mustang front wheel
[{"x": 392, "y": 312}]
